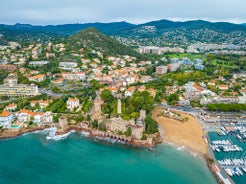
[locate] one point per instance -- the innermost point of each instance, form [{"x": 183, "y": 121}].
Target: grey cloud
[{"x": 79, "y": 11}]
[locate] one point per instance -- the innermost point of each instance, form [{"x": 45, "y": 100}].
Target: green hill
[{"x": 92, "y": 38}]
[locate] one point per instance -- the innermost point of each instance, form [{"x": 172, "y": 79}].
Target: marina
[{"x": 229, "y": 151}]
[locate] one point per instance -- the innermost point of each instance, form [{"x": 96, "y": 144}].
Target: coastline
[
  {"x": 13, "y": 133},
  {"x": 92, "y": 133},
  {"x": 169, "y": 128}
]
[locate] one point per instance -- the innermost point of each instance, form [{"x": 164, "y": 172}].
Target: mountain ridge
[{"x": 162, "y": 30}]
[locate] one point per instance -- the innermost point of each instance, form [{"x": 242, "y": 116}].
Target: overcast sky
[{"x": 43, "y": 12}]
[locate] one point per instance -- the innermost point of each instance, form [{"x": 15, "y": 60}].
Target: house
[
  {"x": 72, "y": 103},
  {"x": 67, "y": 65},
  {"x": 11, "y": 107},
  {"x": 6, "y": 118},
  {"x": 212, "y": 83},
  {"x": 47, "y": 118},
  {"x": 69, "y": 76},
  {"x": 43, "y": 103},
  {"x": 37, "y": 117},
  {"x": 131, "y": 79},
  {"x": 37, "y": 78},
  {"x": 152, "y": 92},
  {"x": 113, "y": 90},
  {"x": 145, "y": 78},
  {"x": 130, "y": 91},
  {"x": 161, "y": 70},
  {"x": 62, "y": 122},
  {"x": 142, "y": 88},
  {"x": 223, "y": 87},
  {"x": 58, "y": 81},
  {"x": 24, "y": 115},
  {"x": 170, "y": 91},
  {"x": 80, "y": 75},
  {"x": 38, "y": 63},
  {"x": 163, "y": 102},
  {"x": 173, "y": 66},
  {"x": 193, "y": 91},
  {"x": 183, "y": 101},
  {"x": 33, "y": 103}
]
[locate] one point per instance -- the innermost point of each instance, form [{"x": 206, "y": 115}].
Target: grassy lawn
[
  {"x": 189, "y": 55},
  {"x": 222, "y": 64}
]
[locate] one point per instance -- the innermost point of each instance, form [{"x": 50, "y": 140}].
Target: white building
[
  {"x": 81, "y": 75},
  {"x": 6, "y": 118},
  {"x": 37, "y": 78},
  {"x": 11, "y": 88},
  {"x": 11, "y": 107},
  {"x": 24, "y": 116},
  {"x": 47, "y": 117},
  {"x": 72, "y": 103},
  {"x": 38, "y": 63},
  {"x": 193, "y": 91},
  {"x": 67, "y": 65},
  {"x": 161, "y": 70},
  {"x": 38, "y": 117}
]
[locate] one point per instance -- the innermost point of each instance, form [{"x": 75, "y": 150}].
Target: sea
[
  {"x": 32, "y": 159},
  {"x": 230, "y": 155}
]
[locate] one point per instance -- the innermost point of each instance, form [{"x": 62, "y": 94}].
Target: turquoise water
[
  {"x": 222, "y": 155},
  {"x": 33, "y": 159}
]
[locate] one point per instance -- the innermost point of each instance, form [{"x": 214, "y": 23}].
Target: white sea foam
[
  {"x": 181, "y": 148},
  {"x": 59, "y": 137},
  {"x": 85, "y": 134}
]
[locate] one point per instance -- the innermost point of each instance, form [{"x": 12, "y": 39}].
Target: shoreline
[
  {"x": 92, "y": 133},
  {"x": 190, "y": 148},
  {"x": 188, "y": 134},
  {"x": 15, "y": 134}
]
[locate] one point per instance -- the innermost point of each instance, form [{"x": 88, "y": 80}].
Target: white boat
[
  {"x": 217, "y": 149},
  {"x": 229, "y": 172},
  {"x": 239, "y": 171},
  {"x": 244, "y": 169}
]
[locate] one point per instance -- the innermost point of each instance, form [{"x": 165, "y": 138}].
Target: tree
[
  {"x": 110, "y": 103},
  {"x": 102, "y": 127},
  {"x": 95, "y": 84},
  {"x": 105, "y": 70},
  {"x": 88, "y": 117},
  {"x": 172, "y": 99},
  {"x": 135, "y": 115},
  {"x": 210, "y": 57},
  {"x": 107, "y": 96},
  {"x": 151, "y": 125},
  {"x": 128, "y": 132},
  {"x": 94, "y": 124}
]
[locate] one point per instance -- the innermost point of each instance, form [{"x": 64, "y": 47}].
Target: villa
[
  {"x": 72, "y": 103},
  {"x": 37, "y": 78},
  {"x": 11, "y": 107},
  {"x": 6, "y": 118}
]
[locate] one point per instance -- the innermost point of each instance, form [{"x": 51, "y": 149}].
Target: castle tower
[
  {"x": 97, "y": 105},
  {"x": 119, "y": 106},
  {"x": 142, "y": 114}
]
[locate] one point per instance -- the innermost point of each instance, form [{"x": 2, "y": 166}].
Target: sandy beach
[{"x": 188, "y": 133}]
